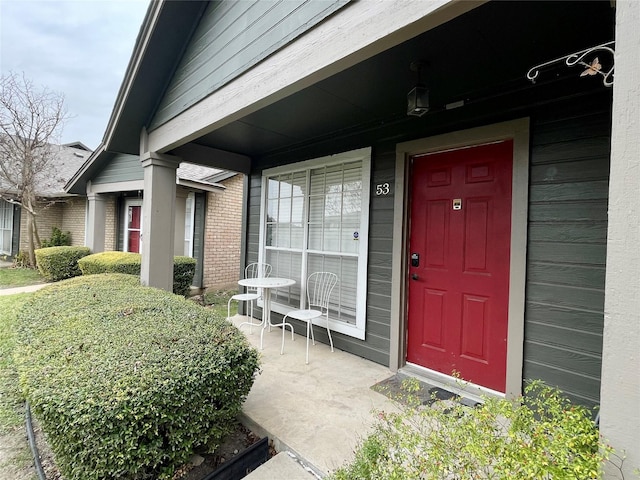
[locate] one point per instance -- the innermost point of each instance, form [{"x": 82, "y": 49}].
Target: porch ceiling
[{"x": 482, "y": 54}]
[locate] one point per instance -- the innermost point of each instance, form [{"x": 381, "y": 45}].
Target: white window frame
[
  {"x": 7, "y": 207},
  {"x": 189, "y": 221},
  {"x": 364, "y": 155}
]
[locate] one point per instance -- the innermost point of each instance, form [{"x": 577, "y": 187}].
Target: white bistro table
[{"x": 266, "y": 284}]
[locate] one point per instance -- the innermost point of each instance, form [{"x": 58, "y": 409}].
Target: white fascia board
[
  {"x": 207, "y": 187},
  {"x": 353, "y": 34}
]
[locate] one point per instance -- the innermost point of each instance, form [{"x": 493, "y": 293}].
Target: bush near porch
[
  {"x": 58, "y": 263},
  {"x": 540, "y": 436},
  {"x": 126, "y": 380},
  {"x": 184, "y": 268}
]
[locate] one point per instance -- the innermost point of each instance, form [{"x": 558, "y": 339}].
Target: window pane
[
  {"x": 350, "y": 238},
  {"x": 272, "y": 210},
  {"x": 331, "y": 237},
  {"x": 343, "y": 298},
  {"x": 315, "y": 237},
  {"x": 6, "y": 226},
  {"x": 284, "y": 211},
  {"x": 286, "y": 265},
  {"x": 273, "y": 189},
  {"x": 297, "y": 210},
  {"x": 6, "y": 241},
  {"x": 297, "y": 222},
  {"x": 283, "y": 235},
  {"x": 316, "y": 209}
]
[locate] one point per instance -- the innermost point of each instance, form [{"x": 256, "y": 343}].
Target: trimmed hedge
[
  {"x": 184, "y": 268},
  {"x": 58, "y": 263},
  {"x": 127, "y": 381}
]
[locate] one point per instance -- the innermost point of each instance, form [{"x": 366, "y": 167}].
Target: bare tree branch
[{"x": 31, "y": 121}]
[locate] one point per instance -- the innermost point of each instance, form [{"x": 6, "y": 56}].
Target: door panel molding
[{"x": 518, "y": 130}]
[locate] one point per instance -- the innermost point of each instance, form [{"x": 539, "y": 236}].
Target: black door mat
[{"x": 426, "y": 395}]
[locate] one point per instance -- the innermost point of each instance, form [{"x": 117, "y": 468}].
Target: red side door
[{"x": 460, "y": 236}]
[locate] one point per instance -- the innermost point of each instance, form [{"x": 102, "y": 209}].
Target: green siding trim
[
  {"x": 121, "y": 168},
  {"x": 231, "y": 38},
  {"x": 198, "y": 237}
]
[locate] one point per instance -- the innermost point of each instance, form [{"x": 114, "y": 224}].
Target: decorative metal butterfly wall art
[{"x": 593, "y": 67}]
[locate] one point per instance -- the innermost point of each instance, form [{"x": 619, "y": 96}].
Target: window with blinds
[
  {"x": 315, "y": 218},
  {"x": 189, "y": 222},
  {"x": 6, "y": 226}
]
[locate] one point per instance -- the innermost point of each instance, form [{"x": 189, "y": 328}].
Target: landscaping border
[{"x": 32, "y": 443}]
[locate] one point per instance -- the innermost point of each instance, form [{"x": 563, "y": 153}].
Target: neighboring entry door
[
  {"x": 459, "y": 254},
  {"x": 133, "y": 227}
]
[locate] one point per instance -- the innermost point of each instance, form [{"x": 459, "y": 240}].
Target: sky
[{"x": 79, "y": 48}]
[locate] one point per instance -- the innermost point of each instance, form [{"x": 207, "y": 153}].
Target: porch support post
[
  {"x": 158, "y": 219},
  {"x": 620, "y": 385},
  {"x": 96, "y": 220}
]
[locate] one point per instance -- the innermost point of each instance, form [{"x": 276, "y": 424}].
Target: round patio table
[{"x": 267, "y": 284}]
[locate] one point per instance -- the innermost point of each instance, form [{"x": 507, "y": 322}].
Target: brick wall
[
  {"x": 111, "y": 224},
  {"x": 223, "y": 230},
  {"x": 73, "y": 219},
  {"x": 46, "y": 218},
  {"x": 70, "y": 216}
]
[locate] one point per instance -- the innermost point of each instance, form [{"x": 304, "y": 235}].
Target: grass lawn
[
  {"x": 217, "y": 301},
  {"x": 15, "y": 456},
  {"x": 19, "y": 277},
  {"x": 11, "y": 412}
]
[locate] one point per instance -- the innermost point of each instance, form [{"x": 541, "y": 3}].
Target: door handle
[{"x": 414, "y": 276}]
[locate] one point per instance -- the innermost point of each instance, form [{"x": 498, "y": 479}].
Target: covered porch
[
  {"x": 341, "y": 88},
  {"x": 318, "y": 412}
]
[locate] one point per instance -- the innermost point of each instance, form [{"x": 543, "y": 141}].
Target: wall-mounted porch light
[{"x": 418, "y": 97}]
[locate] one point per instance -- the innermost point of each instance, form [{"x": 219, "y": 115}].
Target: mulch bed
[{"x": 201, "y": 464}]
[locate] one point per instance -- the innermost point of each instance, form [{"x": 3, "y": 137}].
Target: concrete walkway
[
  {"x": 315, "y": 413},
  {"x": 27, "y": 289}
]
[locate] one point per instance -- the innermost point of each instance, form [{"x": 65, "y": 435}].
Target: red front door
[
  {"x": 460, "y": 237},
  {"x": 134, "y": 228}
]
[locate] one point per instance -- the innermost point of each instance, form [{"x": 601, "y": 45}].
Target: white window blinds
[{"x": 315, "y": 218}]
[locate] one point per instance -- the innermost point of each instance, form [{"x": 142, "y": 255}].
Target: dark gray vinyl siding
[
  {"x": 119, "y": 224},
  {"x": 121, "y": 168},
  {"x": 198, "y": 236},
  {"x": 232, "y": 37},
  {"x": 566, "y": 249},
  {"x": 570, "y": 148}
]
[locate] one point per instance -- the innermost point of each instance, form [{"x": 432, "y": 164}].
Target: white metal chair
[
  {"x": 319, "y": 288},
  {"x": 253, "y": 270}
]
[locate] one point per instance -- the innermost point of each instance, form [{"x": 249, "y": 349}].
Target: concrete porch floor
[{"x": 318, "y": 412}]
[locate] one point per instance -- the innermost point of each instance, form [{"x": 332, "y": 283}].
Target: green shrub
[
  {"x": 58, "y": 238},
  {"x": 184, "y": 268},
  {"x": 126, "y": 380},
  {"x": 58, "y": 263},
  {"x": 540, "y": 436},
  {"x": 21, "y": 260},
  {"x": 111, "y": 262}
]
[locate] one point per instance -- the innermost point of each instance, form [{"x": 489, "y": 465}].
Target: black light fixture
[{"x": 418, "y": 97}]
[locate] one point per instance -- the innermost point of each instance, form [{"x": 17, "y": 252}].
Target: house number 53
[{"x": 382, "y": 189}]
